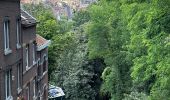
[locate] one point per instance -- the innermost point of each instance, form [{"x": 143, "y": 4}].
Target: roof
[
  {"x": 42, "y": 43},
  {"x": 26, "y": 19}
]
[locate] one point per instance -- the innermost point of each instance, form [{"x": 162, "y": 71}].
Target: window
[
  {"x": 6, "y": 37},
  {"x": 45, "y": 95},
  {"x": 18, "y": 31},
  {"x": 27, "y": 57},
  {"x": 8, "y": 77},
  {"x": 34, "y": 88},
  {"x": 39, "y": 68},
  {"x": 39, "y": 96},
  {"x": 33, "y": 53},
  {"x": 44, "y": 64},
  {"x": 19, "y": 77},
  {"x": 28, "y": 93}
]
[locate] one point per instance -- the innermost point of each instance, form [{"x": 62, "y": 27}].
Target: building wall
[
  {"x": 15, "y": 92},
  {"x": 29, "y": 34},
  {"x": 43, "y": 79},
  {"x": 29, "y": 38},
  {"x": 28, "y": 75},
  {"x": 10, "y": 8}
]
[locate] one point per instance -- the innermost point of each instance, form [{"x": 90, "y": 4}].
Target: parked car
[{"x": 55, "y": 93}]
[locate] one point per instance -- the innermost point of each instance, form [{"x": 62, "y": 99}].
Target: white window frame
[
  {"x": 33, "y": 53},
  {"x": 44, "y": 90},
  {"x": 27, "y": 57},
  {"x": 28, "y": 93},
  {"x": 34, "y": 88},
  {"x": 39, "y": 68},
  {"x": 6, "y": 37},
  {"x": 8, "y": 78},
  {"x": 44, "y": 61},
  {"x": 18, "y": 34},
  {"x": 19, "y": 73}
]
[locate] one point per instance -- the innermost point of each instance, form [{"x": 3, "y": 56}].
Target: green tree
[
  {"x": 129, "y": 39},
  {"x": 107, "y": 39}
]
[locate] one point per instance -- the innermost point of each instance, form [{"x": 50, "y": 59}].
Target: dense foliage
[
  {"x": 133, "y": 38},
  {"x": 69, "y": 66},
  {"x": 126, "y": 43},
  {"x": 50, "y": 28}
]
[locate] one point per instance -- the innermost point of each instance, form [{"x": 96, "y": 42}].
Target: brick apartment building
[{"x": 23, "y": 55}]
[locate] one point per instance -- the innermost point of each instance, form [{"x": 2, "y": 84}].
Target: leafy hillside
[{"x": 114, "y": 50}]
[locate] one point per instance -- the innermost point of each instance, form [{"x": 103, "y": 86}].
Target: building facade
[
  {"x": 42, "y": 66},
  {"x": 23, "y": 55},
  {"x": 10, "y": 48}
]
